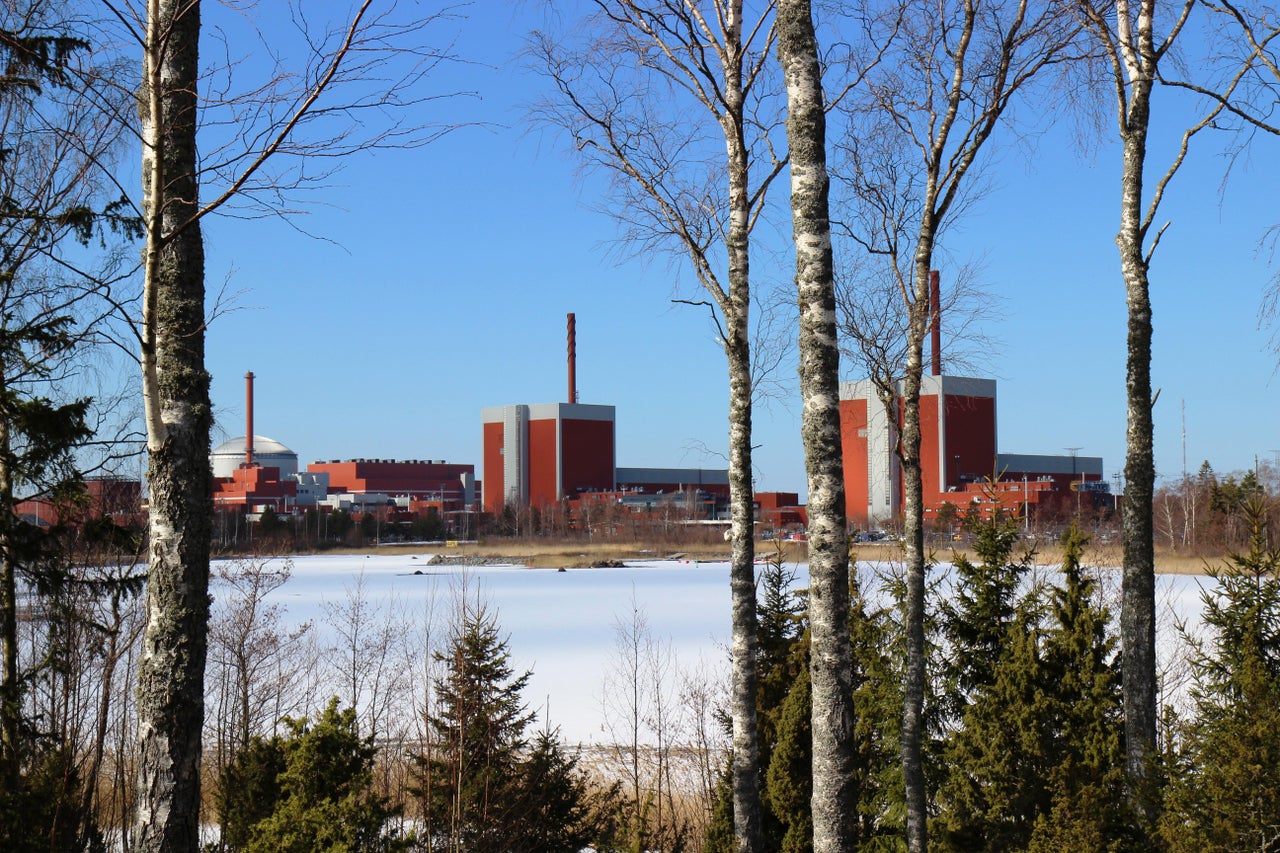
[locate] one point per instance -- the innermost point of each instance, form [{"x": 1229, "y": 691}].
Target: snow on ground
[{"x": 562, "y": 623}]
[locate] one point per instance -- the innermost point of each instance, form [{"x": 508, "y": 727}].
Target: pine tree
[{"x": 1224, "y": 792}]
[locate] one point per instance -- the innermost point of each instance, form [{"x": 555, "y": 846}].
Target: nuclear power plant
[
  {"x": 563, "y": 456},
  {"x": 959, "y": 459}
]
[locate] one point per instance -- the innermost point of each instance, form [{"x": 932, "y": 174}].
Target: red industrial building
[
  {"x": 535, "y": 455},
  {"x": 958, "y": 457},
  {"x": 448, "y": 487},
  {"x": 252, "y": 486},
  {"x": 958, "y": 452},
  {"x": 108, "y": 497},
  {"x": 542, "y": 454}
]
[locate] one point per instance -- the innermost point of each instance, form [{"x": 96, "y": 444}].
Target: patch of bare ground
[{"x": 546, "y": 553}]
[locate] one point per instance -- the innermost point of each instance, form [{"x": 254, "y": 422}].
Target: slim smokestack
[
  {"x": 935, "y": 312},
  {"x": 248, "y": 417},
  {"x": 573, "y": 360}
]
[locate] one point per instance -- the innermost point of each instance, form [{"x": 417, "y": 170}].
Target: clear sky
[{"x": 446, "y": 272}]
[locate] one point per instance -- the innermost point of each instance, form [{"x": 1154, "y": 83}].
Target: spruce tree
[
  {"x": 1224, "y": 791},
  {"x": 468, "y": 776},
  {"x": 782, "y": 655},
  {"x": 982, "y": 607},
  {"x": 997, "y": 760},
  {"x": 1086, "y": 809},
  {"x": 484, "y": 788},
  {"x": 995, "y": 755}
]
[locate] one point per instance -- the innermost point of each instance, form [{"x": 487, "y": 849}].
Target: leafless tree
[
  {"x": 367, "y": 654},
  {"x": 831, "y": 653},
  {"x": 259, "y": 667},
  {"x": 927, "y": 113},
  {"x": 260, "y": 142},
  {"x": 643, "y": 724},
  {"x": 56, "y": 194},
  {"x": 675, "y": 102},
  {"x": 874, "y": 320},
  {"x": 1128, "y": 33}
]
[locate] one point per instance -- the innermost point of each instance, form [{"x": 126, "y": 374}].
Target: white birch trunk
[
  {"x": 178, "y": 419},
  {"x": 831, "y": 653}
]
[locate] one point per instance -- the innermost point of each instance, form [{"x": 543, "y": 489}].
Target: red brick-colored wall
[
  {"x": 853, "y": 443},
  {"x": 971, "y": 435},
  {"x": 542, "y": 462},
  {"x": 588, "y": 462},
  {"x": 493, "y": 470},
  {"x": 931, "y": 478}
]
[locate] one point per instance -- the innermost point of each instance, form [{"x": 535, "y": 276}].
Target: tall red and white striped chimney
[{"x": 248, "y": 417}]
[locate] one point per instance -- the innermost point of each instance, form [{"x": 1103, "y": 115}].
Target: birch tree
[
  {"x": 372, "y": 61},
  {"x": 831, "y": 653},
  {"x": 927, "y": 113},
  {"x": 1133, "y": 50},
  {"x": 647, "y": 97}
]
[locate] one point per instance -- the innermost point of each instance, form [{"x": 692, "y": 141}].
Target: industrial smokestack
[
  {"x": 248, "y": 417},
  {"x": 935, "y": 314},
  {"x": 573, "y": 360}
]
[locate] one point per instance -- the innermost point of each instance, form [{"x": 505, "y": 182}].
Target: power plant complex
[{"x": 563, "y": 456}]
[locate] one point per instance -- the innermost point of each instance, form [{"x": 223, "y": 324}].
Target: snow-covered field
[{"x": 562, "y": 625}]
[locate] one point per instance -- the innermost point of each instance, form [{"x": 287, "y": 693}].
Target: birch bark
[
  {"x": 668, "y": 199},
  {"x": 178, "y": 420},
  {"x": 831, "y": 655}
]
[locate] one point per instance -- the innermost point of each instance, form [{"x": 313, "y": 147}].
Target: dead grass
[{"x": 574, "y": 554}]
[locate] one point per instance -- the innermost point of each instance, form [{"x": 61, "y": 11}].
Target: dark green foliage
[
  {"x": 483, "y": 789},
  {"x": 308, "y": 791},
  {"x": 1086, "y": 757},
  {"x": 44, "y": 813},
  {"x": 561, "y": 812},
  {"x": 783, "y": 660},
  {"x": 1224, "y": 790},
  {"x": 787, "y": 782},
  {"x": 720, "y": 837},
  {"x": 1035, "y": 759},
  {"x": 368, "y": 527},
  {"x": 997, "y": 760},
  {"x": 427, "y": 527},
  {"x": 877, "y": 702},
  {"x": 786, "y": 735},
  {"x": 982, "y": 607},
  {"x": 248, "y": 790},
  {"x": 270, "y": 524}
]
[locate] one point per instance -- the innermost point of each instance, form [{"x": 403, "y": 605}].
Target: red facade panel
[
  {"x": 587, "y": 463},
  {"x": 930, "y": 431},
  {"x": 971, "y": 438},
  {"x": 493, "y": 470},
  {"x": 853, "y": 443},
  {"x": 542, "y": 462}
]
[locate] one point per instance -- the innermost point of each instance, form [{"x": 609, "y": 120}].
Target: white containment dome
[{"x": 267, "y": 452}]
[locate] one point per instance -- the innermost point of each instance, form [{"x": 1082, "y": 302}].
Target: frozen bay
[{"x": 562, "y": 624}]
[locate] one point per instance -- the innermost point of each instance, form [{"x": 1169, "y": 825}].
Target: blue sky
[{"x": 443, "y": 281}]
